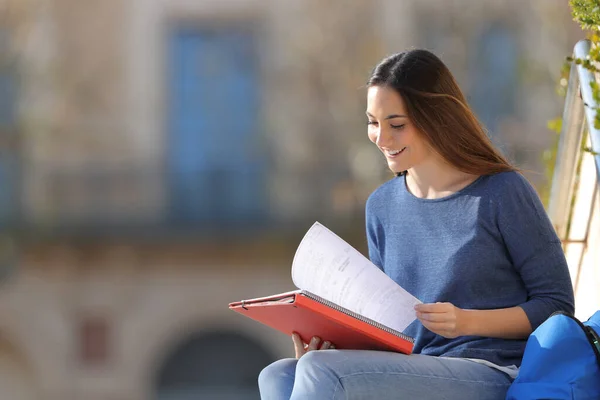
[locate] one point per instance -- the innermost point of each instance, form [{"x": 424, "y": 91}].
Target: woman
[{"x": 461, "y": 230}]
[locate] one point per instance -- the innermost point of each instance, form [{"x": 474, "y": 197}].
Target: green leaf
[
  {"x": 589, "y": 150},
  {"x": 587, "y": 13},
  {"x": 555, "y": 125}
]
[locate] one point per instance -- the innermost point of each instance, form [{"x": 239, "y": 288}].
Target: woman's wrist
[
  {"x": 507, "y": 323},
  {"x": 468, "y": 322}
]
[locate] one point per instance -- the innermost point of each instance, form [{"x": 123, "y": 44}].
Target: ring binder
[
  {"x": 357, "y": 316},
  {"x": 310, "y": 315}
]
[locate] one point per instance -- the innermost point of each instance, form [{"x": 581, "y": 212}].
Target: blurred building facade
[{"x": 162, "y": 158}]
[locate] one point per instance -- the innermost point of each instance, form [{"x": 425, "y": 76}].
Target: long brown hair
[{"x": 439, "y": 110}]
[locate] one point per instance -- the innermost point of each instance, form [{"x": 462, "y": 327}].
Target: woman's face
[{"x": 391, "y": 130}]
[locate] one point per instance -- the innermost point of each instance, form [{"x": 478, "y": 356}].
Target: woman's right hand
[{"x": 302, "y": 348}]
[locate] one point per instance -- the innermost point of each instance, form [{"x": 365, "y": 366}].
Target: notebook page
[{"x": 329, "y": 267}]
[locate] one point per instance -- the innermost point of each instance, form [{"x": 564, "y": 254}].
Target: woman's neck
[{"x": 434, "y": 179}]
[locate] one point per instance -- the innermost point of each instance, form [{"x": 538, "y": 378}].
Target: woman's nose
[{"x": 383, "y": 138}]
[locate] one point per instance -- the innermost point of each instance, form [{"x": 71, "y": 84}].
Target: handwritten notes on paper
[{"x": 329, "y": 267}]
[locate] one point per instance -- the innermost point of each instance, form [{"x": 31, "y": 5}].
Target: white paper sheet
[{"x": 329, "y": 267}]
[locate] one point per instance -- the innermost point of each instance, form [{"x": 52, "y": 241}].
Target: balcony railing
[
  {"x": 574, "y": 205},
  {"x": 139, "y": 200}
]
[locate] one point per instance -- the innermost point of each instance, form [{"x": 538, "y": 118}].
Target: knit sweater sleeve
[
  {"x": 534, "y": 248},
  {"x": 375, "y": 237}
]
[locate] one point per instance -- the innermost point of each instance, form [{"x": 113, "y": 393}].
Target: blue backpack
[{"x": 561, "y": 361}]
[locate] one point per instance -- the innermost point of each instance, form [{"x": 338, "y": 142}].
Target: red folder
[{"x": 309, "y": 315}]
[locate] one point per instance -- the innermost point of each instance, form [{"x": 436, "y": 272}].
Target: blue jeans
[{"x": 363, "y": 374}]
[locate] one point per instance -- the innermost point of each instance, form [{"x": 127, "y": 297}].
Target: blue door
[
  {"x": 495, "y": 77},
  {"x": 8, "y": 140},
  {"x": 9, "y": 158},
  {"x": 216, "y": 172}
]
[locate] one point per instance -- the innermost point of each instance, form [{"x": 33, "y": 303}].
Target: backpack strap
[{"x": 594, "y": 340}]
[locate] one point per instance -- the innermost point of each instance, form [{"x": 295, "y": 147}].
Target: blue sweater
[{"x": 488, "y": 246}]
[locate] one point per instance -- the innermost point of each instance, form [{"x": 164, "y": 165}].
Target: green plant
[
  {"x": 555, "y": 126},
  {"x": 587, "y": 13}
]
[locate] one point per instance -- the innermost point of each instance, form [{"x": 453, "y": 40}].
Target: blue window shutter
[
  {"x": 216, "y": 176},
  {"x": 495, "y": 81},
  {"x": 8, "y": 130}
]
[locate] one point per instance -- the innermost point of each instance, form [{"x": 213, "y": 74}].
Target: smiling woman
[
  {"x": 415, "y": 106},
  {"x": 460, "y": 229},
  {"x": 395, "y": 135},
  {"x": 415, "y": 88}
]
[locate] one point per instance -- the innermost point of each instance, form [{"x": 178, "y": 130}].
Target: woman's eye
[
  {"x": 371, "y": 123},
  {"x": 397, "y": 126}
]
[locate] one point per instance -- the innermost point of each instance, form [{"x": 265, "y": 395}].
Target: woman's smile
[{"x": 393, "y": 153}]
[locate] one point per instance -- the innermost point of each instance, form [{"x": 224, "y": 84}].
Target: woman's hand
[
  {"x": 442, "y": 318},
  {"x": 302, "y": 348}
]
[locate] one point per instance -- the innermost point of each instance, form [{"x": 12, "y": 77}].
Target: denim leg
[
  {"x": 276, "y": 380},
  {"x": 360, "y": 374}
]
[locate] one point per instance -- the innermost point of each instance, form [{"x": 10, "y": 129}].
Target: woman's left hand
[{"x": 442, "y": 318}]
